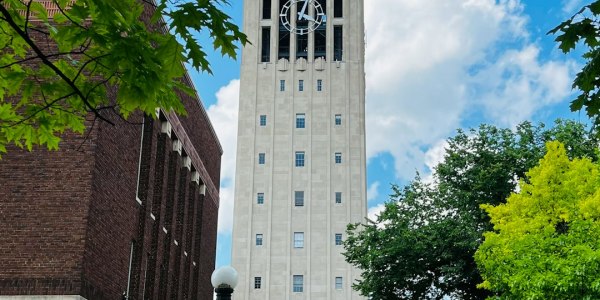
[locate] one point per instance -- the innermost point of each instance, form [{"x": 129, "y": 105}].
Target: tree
[
  {"x": 422, "y": 245},
  {"x": 584, "y": 26},
  {"x": 94, "y": 58},
  {"x": 546, "y": 238}
]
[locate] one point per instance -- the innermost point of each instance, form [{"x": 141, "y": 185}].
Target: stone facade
[{"x": 327, "y": 90}]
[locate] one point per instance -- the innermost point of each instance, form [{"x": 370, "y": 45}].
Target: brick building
[{"x": 130, "y": 210}]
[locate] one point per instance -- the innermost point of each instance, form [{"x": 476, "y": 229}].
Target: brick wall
[
  {"x": 69, "y": 217},
  {"x": 44, "y": 200}
]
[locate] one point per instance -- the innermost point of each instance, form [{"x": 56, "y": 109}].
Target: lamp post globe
[{"x": 224, "y": 280}]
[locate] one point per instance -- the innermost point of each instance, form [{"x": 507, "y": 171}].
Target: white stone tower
[{"x": 301, "y": 161}]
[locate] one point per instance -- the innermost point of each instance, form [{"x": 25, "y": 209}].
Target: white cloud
[
  {"x": 433, "y": 157},
  {"x": 224, "y": 116},
  {"x": 432, "y": 64},
  {"x": 571, "y": 6},
  {"x": 375, "y": 211},
  {"x": 373, "y": 191}
]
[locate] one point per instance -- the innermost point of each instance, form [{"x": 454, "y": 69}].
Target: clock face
[{"x": 309, "y": 16}]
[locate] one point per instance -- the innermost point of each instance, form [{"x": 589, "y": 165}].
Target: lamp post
[{"x": 224, "y": 280}]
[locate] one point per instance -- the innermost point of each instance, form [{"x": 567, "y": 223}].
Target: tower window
[
  {"x": 300, "y": 121},
  {"x": 338, "y": 283},
  {"x": 298, "y": 284},
  {"x": 257, "y": 282},
  {"x": 338, "y": 157},
  {"x": 299, "y": 198},
  {"x": 284, "y": 36},
  {"x": 338, "y": 197},
  {"x": 259, "y": 239},
  {"x": 266, "y": 12},
  {"x": 298, "y": 239},
  {"x": 260, "y": 198},
  {"x": 338, "y": 239},
  {"x": 319, "y": 85},
  {"x": 300, "y": 159},
  {"x": 338, "y": 119},
  {"x": 338, "y": 9},
  {"x": 261, "y": 158},
  {"x": 301, "y": 85},
  {"x": 338, "y": 43},
  {"x": 265, "y": 54},
  {"x": 263, "y": 120},
  {"x": 320, "y": 37},
  {"x": 281, "y": 85},
  {"x": 302, "y": 42}
]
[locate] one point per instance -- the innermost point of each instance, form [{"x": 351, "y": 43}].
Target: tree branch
[{"x": 45, "y": 60}]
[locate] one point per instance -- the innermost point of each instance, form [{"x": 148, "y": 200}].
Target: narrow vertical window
[
  {"x": 338, "y": 120},
  {"x": 137, "y": 189},
  {"x": 320, "y": 41},
  {"x": 300, "y": 120},
  {"x": 284, "y": 36},
  {"x": 319, "y": 85},
  {"x": 302, "y": 42},
  {"x": 338, "y": 157},
  {"x": 338, "y": 9},
  {"x": 259, "y": 239},
  {"x": 281, "y": 85},
  {"x": 261, "y": 158},
  {"x": 129, "y": 273},
  {"x": 257, "y": 282},
  {"x": 338, "y": 43},
  {"x": 263, "y": 120},
  {"x": 338, "y": 283},
  {"x": 298, "y": 239},
  {"x": 300, "y": 159},
  {"x": 265, "y": 54},
  {"x": 299, "y": 198},
  {"x": 260, "y": 198},
  {"x": 338, "y": 239},
  {"x": 266, "y": 10},
  {"x": 338, "y": 197},
  {"x": 298, "y": 283},
  {"x": 301, "y": 85}
]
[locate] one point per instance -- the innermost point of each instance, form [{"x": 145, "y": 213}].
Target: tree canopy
[
  {"x": 422, "y": 245},
  {"x": 92, "y": 58},
  {"x": 546, "y": 238},
  {"x": 584, "y": 27}
]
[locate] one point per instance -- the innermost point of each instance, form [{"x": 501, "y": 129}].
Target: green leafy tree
[
  {"x": 96, "y": 59},
  {"x": 422, "y": 245},
  {"x": 584, "y": 27},
  {"x": 546, "y": 238}
]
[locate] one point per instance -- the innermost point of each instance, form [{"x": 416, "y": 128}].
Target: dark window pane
[
  {"x": 266, "y": 9},
  {"x": 266, "y": 45},
  {"x": 338, "y": 9},
  {"x": 338, "y": 42}
]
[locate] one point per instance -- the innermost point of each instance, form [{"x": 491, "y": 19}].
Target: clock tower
[{"x": 301, "y": 162}]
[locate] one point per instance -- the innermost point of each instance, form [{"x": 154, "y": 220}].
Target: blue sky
[{"x": 432, "y": 67}]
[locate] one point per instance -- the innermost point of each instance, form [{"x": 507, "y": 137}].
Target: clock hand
[
  {"x": 309, "y": 18},
  {"x": 301, "y": 14}
]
